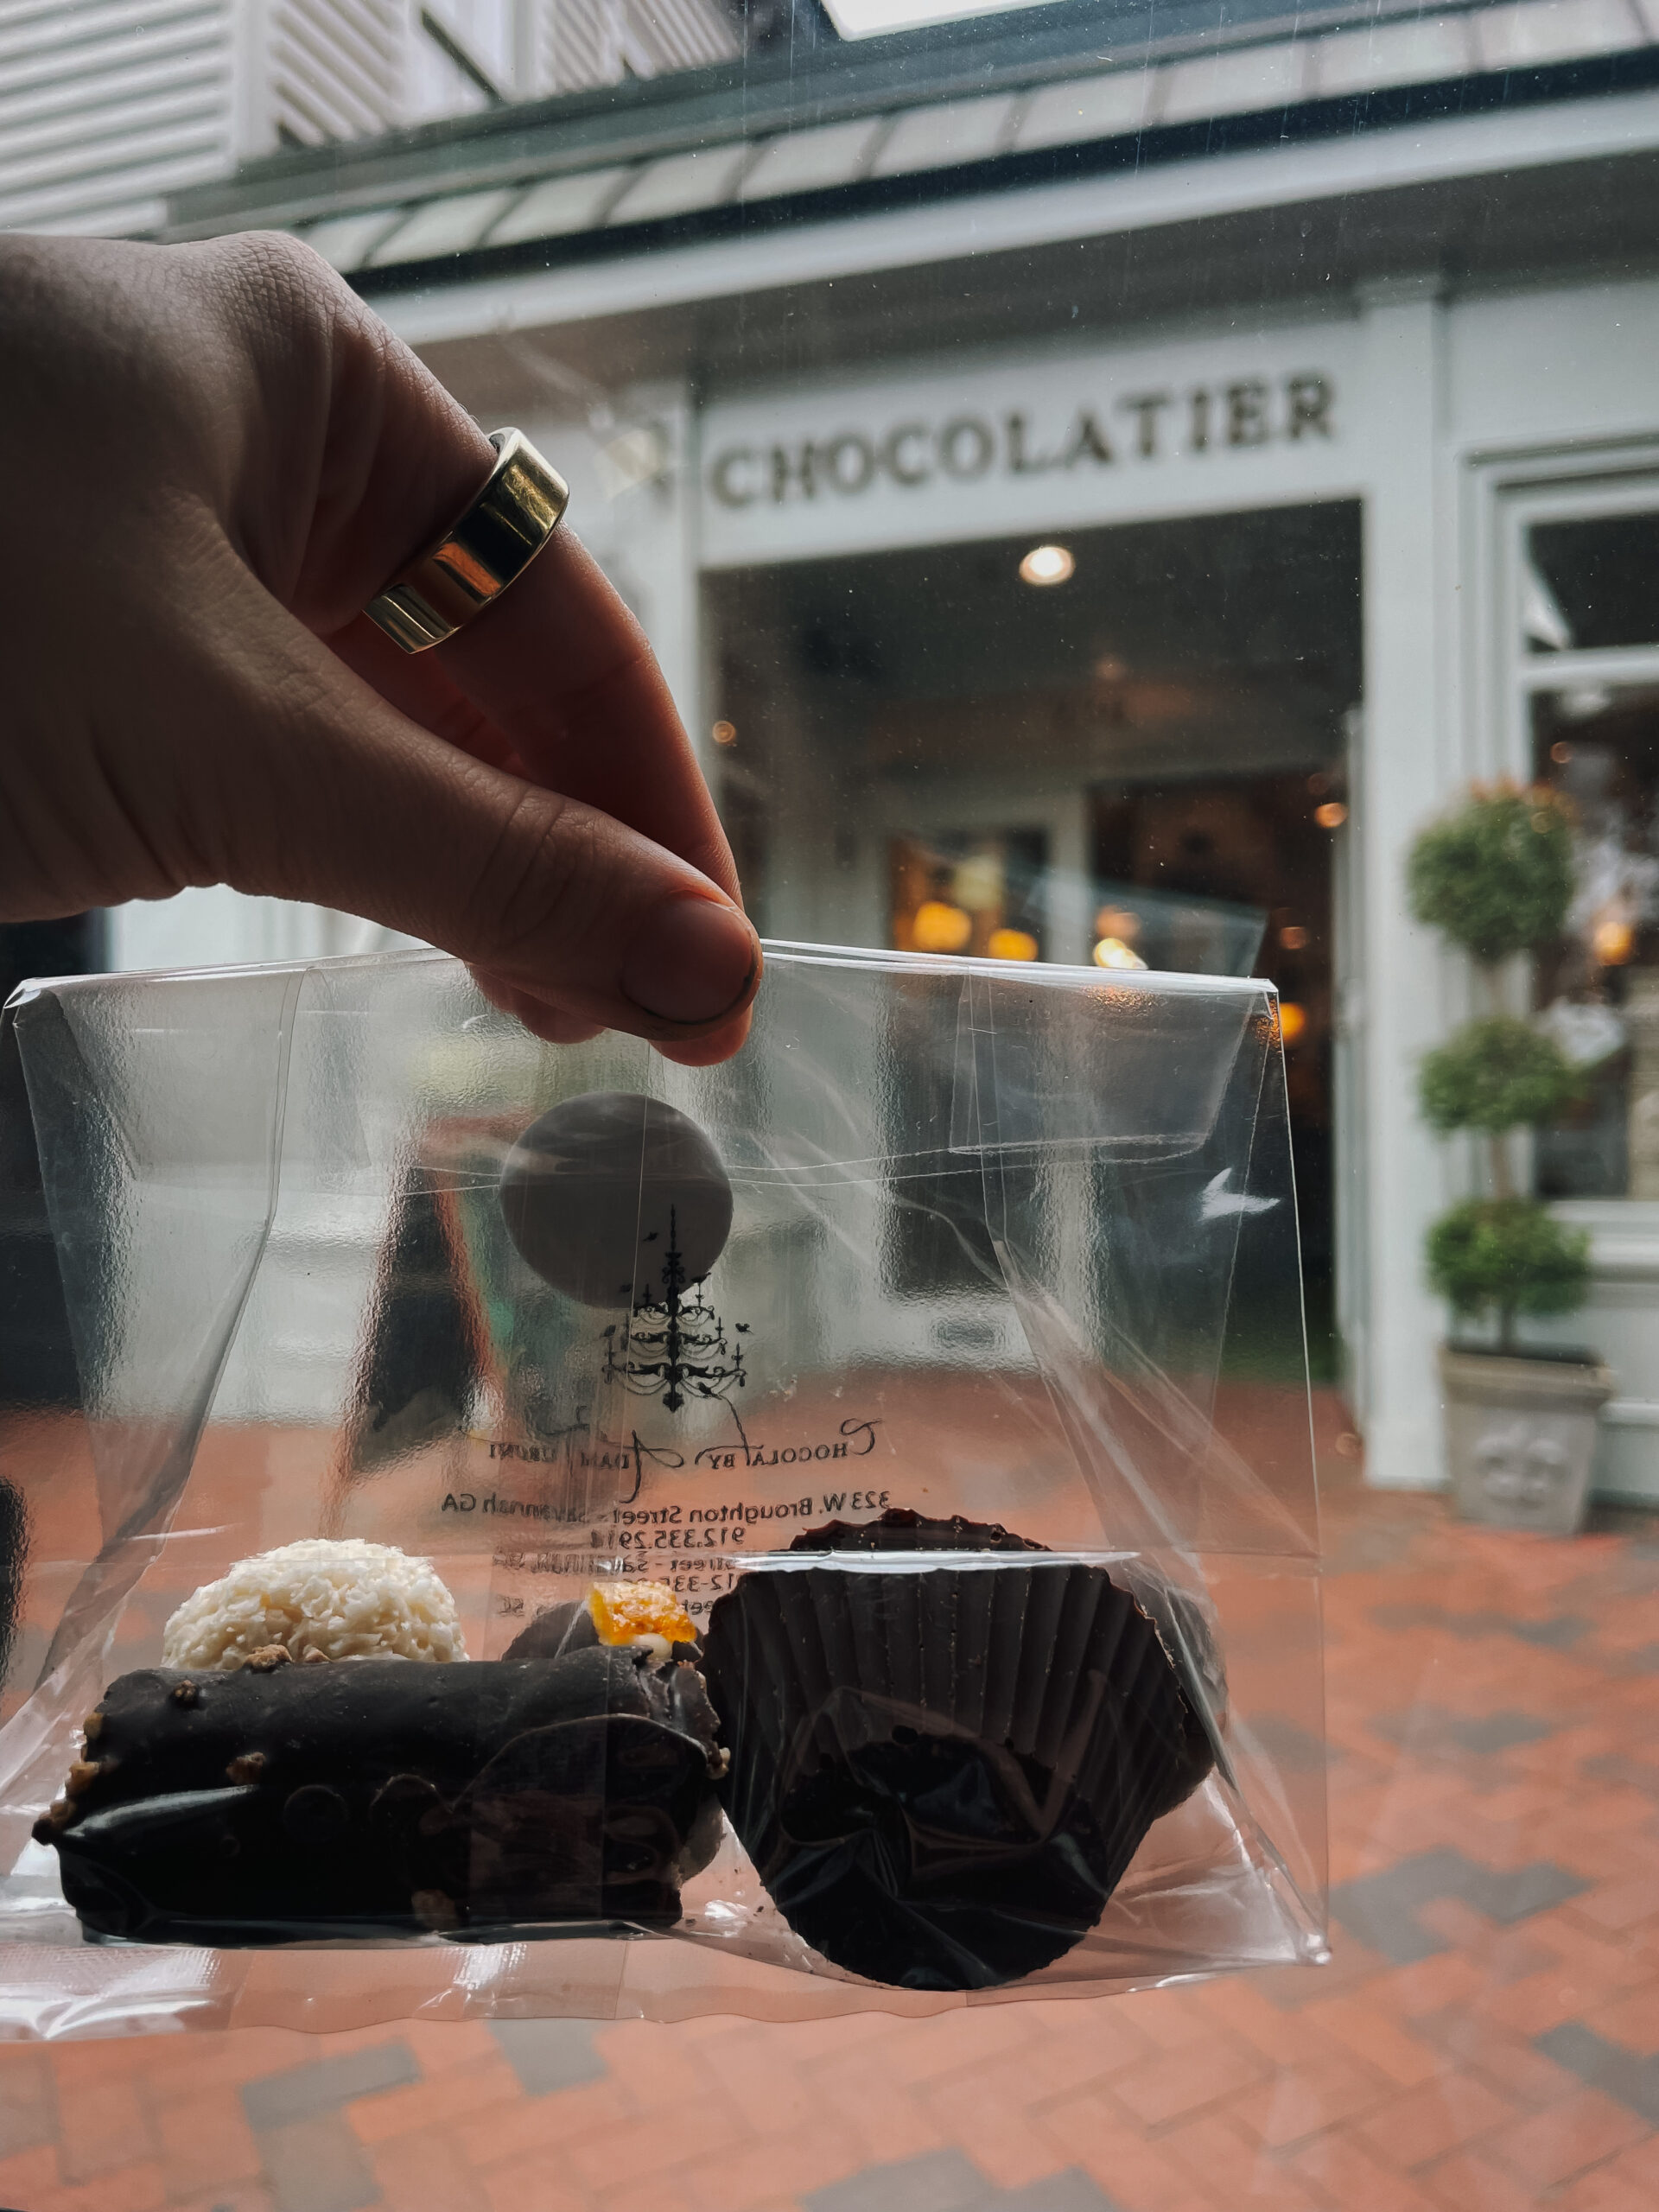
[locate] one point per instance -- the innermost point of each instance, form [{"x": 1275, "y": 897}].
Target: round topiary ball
[
  {"x": 1507, "y": 1256},
  {"x": 1496, "y": 876},
  {"x": 1497, "y": 1075}
]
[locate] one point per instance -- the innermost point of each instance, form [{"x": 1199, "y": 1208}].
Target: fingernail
[{"x": 691, "y": 960}]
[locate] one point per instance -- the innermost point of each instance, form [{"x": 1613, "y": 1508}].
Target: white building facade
[
  {"x": 1328, "y": 360},
  {"x": 107, "y": 107}
]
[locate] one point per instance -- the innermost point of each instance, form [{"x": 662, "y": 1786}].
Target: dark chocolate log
[
  {"x": 385, "y": 1797},
  {"x": 941, "y": 1772},
  {"x": 559, "y": 1630},
  {"x": 595, "y": 1192}
]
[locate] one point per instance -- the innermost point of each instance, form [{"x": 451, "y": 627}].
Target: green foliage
[
  {"x": 1495, "y": 1075},
  {"x": 1507, "y": 1256},
  {"x": 1496, "y": 876}
]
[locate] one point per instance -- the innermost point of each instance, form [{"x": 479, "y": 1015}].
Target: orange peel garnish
[{"x": 625, "y": 1612}]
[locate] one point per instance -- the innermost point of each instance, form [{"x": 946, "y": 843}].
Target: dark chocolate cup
[{"x": 941, "y": 1771}]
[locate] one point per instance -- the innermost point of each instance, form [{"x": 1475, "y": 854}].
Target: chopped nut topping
[
  {"x": 267, "y": 1659},
  {"x": 82, "y": 1775},
  {"x": 247, "y": 1767},
  {"x": 91, "y": 1726},
  {"x": 185, "y": 1693}
]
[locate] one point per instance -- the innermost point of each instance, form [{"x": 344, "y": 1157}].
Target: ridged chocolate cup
[{"x": 941, "y": 1772}]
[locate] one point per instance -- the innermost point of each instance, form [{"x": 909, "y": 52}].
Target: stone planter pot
[{"x": 1519, "y": 1435}]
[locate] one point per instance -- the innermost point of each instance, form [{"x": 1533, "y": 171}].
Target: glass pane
[
  {"x": 1138, "y": 764},
  {"x": 1588, "y": 585},
  {"x": 1598, "y": 745}
]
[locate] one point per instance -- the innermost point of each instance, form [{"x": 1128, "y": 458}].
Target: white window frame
[{"x": 1581, "y": 483}]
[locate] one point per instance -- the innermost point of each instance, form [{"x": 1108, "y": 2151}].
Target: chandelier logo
[{"x": 675, "y": 1346}]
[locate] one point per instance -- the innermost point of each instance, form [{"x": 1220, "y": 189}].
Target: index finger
[
  {"x": 565, "y": 673},
  {"x": 557, "y": 671}
]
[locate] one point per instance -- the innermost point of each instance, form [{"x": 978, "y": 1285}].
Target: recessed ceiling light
[{"x": 1047, "y": 564}]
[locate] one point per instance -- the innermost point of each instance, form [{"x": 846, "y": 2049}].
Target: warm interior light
[
  {"x": 1011, "y": 945},
  {"x": 1613, "y": 943},
  {"x": 978, "y": 882},
  {"x": 1117, "y": 922},
  {"x": 1047, "y": 564},
  {"x": 724, "y": 733},
  {"x": 1293, "y": 937},
  {"x": 939, "y": 927},
  {"x": 1112, "y": 952},
  {"x": 1331, "y": 815},
  {"x": 1292, "y": 1020}
]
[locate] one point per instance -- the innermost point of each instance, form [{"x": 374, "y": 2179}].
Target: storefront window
[
  {"x": 1592, "y": 584},
  {"x": 1589, "y": 681},
  {"x": 981, "y": 894},
  {"x": 1598, "y": 744},
  {"x": 1129, "y": 752}
]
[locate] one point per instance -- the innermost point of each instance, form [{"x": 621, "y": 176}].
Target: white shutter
[
  {"x": 676, "y": 35},
  {"x": 334, "y": 68},
  {"x": 583, "y": 42},
  {"x": 106, "y": 105}
]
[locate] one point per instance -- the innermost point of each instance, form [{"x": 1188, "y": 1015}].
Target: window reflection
[
  {"x": 1598, "y": 745},
  {"x": 1592, "y": 583}
]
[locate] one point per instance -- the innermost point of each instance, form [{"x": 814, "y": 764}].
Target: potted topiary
[{"x": 1496, "y": 878}]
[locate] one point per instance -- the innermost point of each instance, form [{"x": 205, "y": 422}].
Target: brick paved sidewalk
[{"x": 1487, "y": 2038}]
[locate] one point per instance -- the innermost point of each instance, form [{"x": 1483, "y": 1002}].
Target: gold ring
[{"x": 472, "y": 564}]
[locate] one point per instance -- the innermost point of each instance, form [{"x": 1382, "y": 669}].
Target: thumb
[{"x": 576, "y": 921}]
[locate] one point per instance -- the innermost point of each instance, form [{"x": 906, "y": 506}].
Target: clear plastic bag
[{"x": 872, "y": 1480}]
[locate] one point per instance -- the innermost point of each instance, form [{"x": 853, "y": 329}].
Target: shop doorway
[{"x": 1142, "y": 763}]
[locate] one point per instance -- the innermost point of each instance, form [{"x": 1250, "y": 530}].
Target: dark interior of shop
[{"x": 1191, "y": 682}]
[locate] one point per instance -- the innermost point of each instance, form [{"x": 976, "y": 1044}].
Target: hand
[{"x": 212, "y": 457}]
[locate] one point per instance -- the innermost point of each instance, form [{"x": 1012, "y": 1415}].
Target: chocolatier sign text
[{"x": 1137, "y": 425}]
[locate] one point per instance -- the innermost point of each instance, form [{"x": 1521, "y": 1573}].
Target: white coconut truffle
[{"x": 342, "y": 1600}]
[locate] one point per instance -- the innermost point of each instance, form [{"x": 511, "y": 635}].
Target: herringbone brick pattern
[{"x": 1485, "y": 2039}]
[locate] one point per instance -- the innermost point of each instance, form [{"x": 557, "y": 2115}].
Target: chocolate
[
  {"x": 383, "y": 1797},
  {"x": 569, "y": 1626},
  {"x": 899, "y": 1529},
  {"x": 596, "y": 1191},
  {"x": 941, "y": 1772}
]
